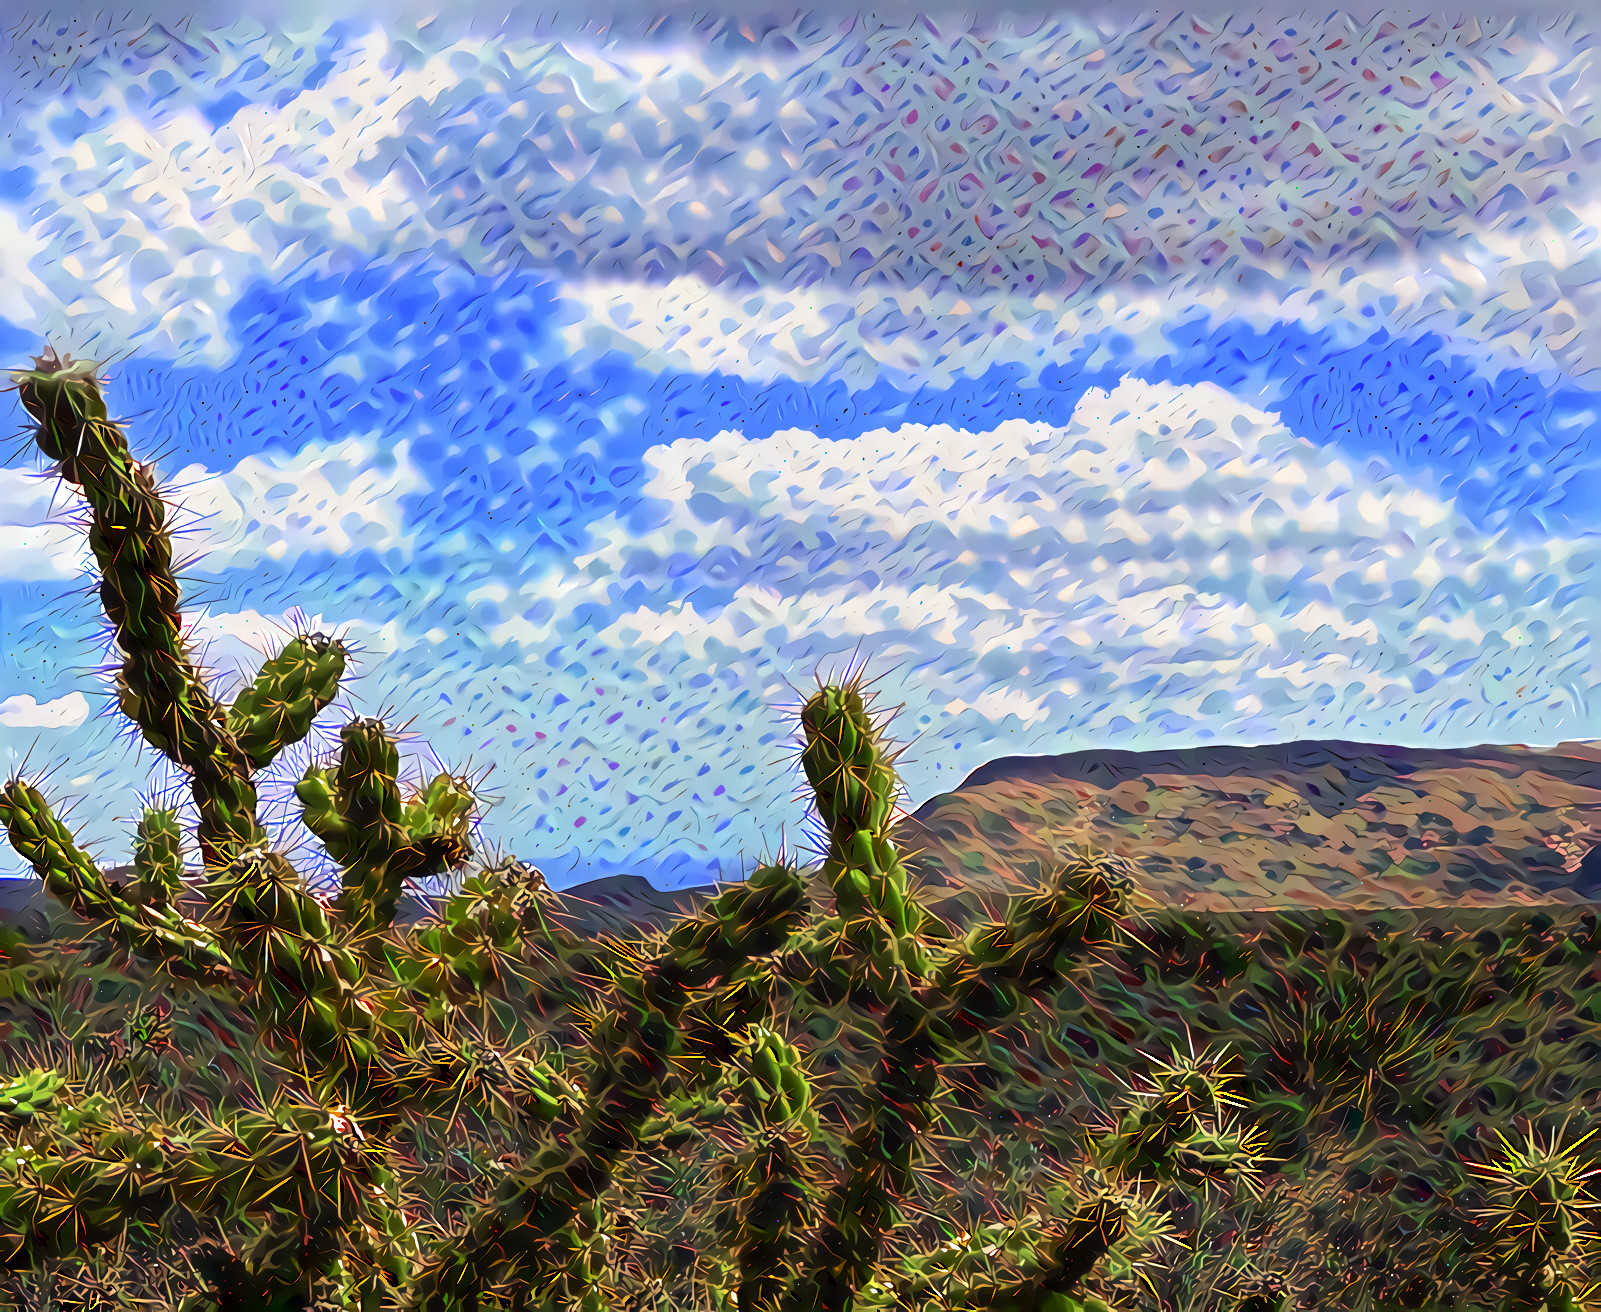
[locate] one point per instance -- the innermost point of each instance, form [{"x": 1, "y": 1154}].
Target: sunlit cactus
[
  {"x": 158, "y": 856},
  {"x": 1541, "y": 1213},
  {"x": 1180, "y": 1123},
  {"x": 385, "y": 1044}
]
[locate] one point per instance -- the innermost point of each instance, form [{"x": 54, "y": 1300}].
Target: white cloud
[
  {"x": 1171, "y": 541},
  {"x": 1170, "y": 564},
  {"x": 326, "y": 497},
  {"x": 20, "y": 244},
  {"x": 999, "y": 704},
  {"x": 991, "y": 199},
  {"x": 334, "y": 497},
  {"x": 912, "y": 337},
  {"x": 61, "y": 713},
  {"x": 169, "y": 218},
  {"x": 37, "y": 541},
  {"x": 236, "y": 643}
]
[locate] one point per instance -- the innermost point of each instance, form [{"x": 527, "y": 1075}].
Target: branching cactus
[{"x": 318, "y": 1187}]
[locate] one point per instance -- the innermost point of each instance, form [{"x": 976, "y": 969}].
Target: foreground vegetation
[{"x": 811, "y": 1095}]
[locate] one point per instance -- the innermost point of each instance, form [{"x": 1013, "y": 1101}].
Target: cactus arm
[
  {"x": 319, "y": 808},
  {"x": 306, "y": 980},
  {"x": 776, "y": 1196},
  {"x": 159, "y": 687},
  {"x": 438, "y": 824},
  {"x": 962, "y": 1276},
  {"x": 277, "y": 710},
  {"x": 491, "y": 939},
  {"x": 158, "y": 856},
  {"x": 188, "y": 950},
  {"x": 380, "y": 842},
  {"x": 855, "y": 787},
  {"x": 307, "y": 1169},
  {"x": 496, "y": 1085},
  {"x": 367, "y": 795},
  {"x": 1087, "y": 1237},
  {"x": 542, "y": 1212},
  {"x": 982, "y": 982},
  {"x": 445, "y": 806},
  {"x": 976, "y": 987},
  {"x": 776, "y": 1205}
]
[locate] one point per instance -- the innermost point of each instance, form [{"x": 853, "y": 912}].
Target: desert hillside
[{"x": 1326, "y": 824}]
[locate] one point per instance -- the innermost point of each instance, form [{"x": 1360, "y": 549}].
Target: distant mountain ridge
[
  {"x": 1319, "y": 823},
  {"x": 1324, "y": 823},
  {"x": 1360, "y": 761},
  {"x": 616, "y": 904}
]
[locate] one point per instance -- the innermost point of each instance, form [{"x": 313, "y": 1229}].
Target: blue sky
[{"x": 1097, "y": 382}]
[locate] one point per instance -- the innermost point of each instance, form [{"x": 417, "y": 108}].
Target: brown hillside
[
  {"x": 1315, "y": 824},
  {"x": 1324, "y": 824}
]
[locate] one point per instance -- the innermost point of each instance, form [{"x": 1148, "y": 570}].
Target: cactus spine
[{"x": 1540, "y": 1211}]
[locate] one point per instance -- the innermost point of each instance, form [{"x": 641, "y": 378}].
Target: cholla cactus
[
  {"x": 1541, "y": 1217},
  {"x": 364, "y": 1023},
  {"x": 32, "y": 1095}
]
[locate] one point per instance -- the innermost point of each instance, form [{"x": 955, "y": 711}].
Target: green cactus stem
[
  {"x": 158, "y": 856},
  {"x": 1540, "y": 1212},
  {"x": 773, "y": 1180},
  {"x": 292, "y": 689},
  {"x": 91, "y": 1182},
  {"x": 855, "y": 785},
  {"x": 1187, "y": 1095},
  {"x": 979, "y": 985},
  {"x": 545, "y": 1211},
  {"x": 885, "y": 960},
  {"x": 188, "y": 950},
  {"x": 159, "y": 687},
  {"x": 1086, "y": 1238},
  {"x": 777, "y": 1200},
  {"x": 379, "y": 840}
]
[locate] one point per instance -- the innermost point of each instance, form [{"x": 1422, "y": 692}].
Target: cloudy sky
[{"x": 1134, "y": 382}]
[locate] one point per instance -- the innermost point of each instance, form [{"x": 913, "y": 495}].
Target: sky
[{"x": 1091, "y": 379}]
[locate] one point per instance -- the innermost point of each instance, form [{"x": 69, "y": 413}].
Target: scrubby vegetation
[{"x": 811, "y": 1095}]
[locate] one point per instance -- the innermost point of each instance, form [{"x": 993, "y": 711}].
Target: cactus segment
[
  {"x": 187, "y": 949},
  {"x": 539, "y": 1217},
  {"x": 279, "y": 936},
  {"x": 159, "y": 687},
  {"x": 380, "y": 841},
  {"x": 293, "y": 688},
  {"x": 158, "y": 856}
]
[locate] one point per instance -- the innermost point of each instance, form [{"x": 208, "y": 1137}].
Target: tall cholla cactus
[{"x": 358, "y": 1015}]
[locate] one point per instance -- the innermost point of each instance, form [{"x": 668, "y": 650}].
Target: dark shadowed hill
[{"x": 1324, "y": 824}]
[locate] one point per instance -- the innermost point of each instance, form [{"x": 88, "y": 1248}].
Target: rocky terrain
[{"x": 1323, "y": 824}]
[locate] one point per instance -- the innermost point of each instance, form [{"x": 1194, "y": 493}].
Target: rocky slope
[{"x": 1326, "y": 824}]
